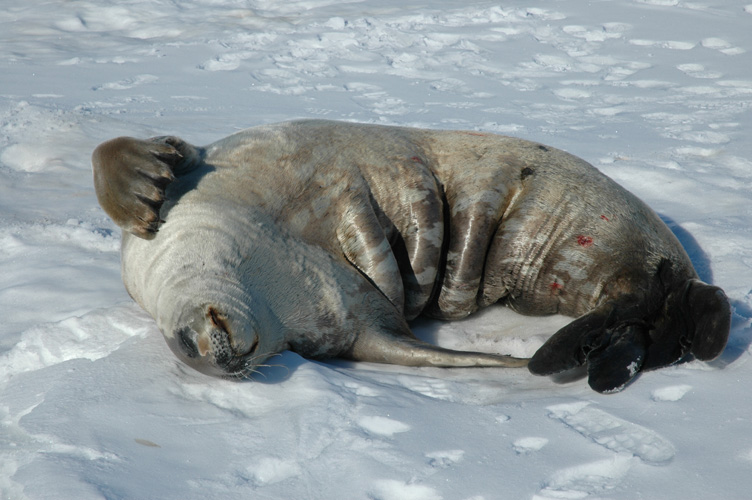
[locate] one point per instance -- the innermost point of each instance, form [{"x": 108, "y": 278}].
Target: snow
[{"x": 656, "y": 93}]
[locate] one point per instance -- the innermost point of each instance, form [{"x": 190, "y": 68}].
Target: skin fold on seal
[{"x": 325, "y": 238}]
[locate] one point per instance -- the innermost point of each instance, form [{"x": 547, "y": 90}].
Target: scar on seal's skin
[
  {"x": 325, "y": 238},
  {"x": 584, "y": 241}
]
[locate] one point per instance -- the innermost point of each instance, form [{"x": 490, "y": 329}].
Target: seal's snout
[{"x": 215, "y": 341}]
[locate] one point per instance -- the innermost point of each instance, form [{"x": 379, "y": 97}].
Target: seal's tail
[{"x": 382, "y": 346}]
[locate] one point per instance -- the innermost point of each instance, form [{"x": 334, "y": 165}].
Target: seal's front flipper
[
  {"x": 366, "y": 247},
  {"x": 131, "y": 176},
  {"x": 402, "y": 348}
]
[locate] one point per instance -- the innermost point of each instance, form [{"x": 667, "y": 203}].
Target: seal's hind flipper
[
  {"x": 612, "y": 348},
  {"x": 696, "y": 320},
  {"x": 711, "y": 314},
  {"x": 568, "y": 348},
  {"x": 620, "y": 338},
  {"x": 613, "y": 366}
]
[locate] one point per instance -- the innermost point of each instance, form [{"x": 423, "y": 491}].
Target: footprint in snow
[
  {"x": 670, "y": 393},
  {"x": 359, "y": 390},
  {"x": 445, "y": 458},
  {"x": 722, "y": 46},
  {"x": 526, "y": 445},
  {"x": 698, "y": 71},
  {"x": 432, "y": 388},
  {"x": 588, "y": 479},
  {"x": 614, "y": 433},
  {"x": 271, "y": 470},
  {"x": 601, "y": 33},
  {"x": 661, "y": 3},
  {"x": 664, "y": 44},
  {"x": 382, "y": 426},
  {"x": 127, "y": 83},
  {"x": 390, "y": 489}
]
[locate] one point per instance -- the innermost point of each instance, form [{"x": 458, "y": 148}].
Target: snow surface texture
[{"x": 656, "y": 93}]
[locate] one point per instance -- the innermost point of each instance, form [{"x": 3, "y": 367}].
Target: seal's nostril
[
  {"x": 218, "y": 319},
  {"x": 187, "y": 342}
]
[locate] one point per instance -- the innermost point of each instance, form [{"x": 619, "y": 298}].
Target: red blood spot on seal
[
  {"x": 584, "y": 241},
  {"x": 476, "y": 133},
  {"x": 556, "y": 287},
  {"x": 605, "y": 218},
  {"x": 417, "y": 159}
]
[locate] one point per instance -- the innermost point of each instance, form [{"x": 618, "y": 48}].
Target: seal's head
[{"x": 222, "y": 334}]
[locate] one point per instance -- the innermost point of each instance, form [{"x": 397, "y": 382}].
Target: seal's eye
[{"x": 187, "y": 342}]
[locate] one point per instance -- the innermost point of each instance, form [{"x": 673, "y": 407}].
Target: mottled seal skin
[{"x": 326, "y": 237}]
